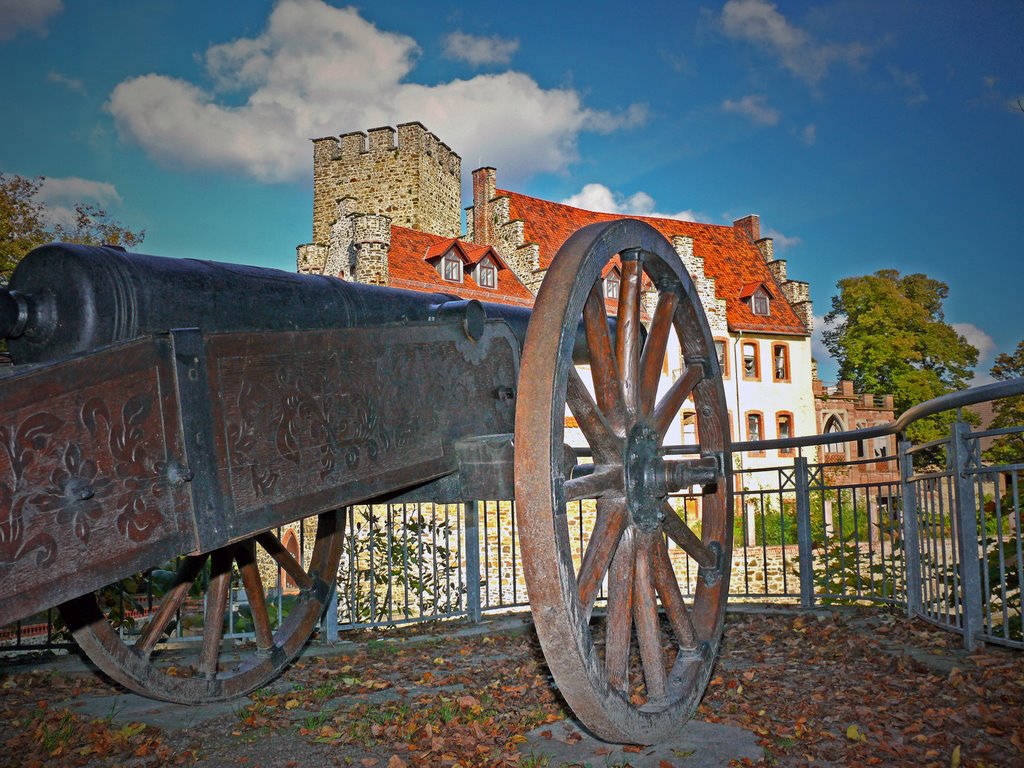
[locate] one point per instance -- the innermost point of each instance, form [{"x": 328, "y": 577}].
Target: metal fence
[
  {"x": 931, "y": 528},
  {"x": 964, "y": 537}
]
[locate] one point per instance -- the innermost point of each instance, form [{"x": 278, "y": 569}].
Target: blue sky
[{"x": 867, "y": 135}]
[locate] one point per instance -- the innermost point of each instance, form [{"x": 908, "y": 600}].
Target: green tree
[
  {"x": 23, "y": 224},
  {"x": 94, "y": 226},
  {"x": 1008, "y": 412},
  {"x": 889, "y": 335},
  {"x": 21, "y": 221}
]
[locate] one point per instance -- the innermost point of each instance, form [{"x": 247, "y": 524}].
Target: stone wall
[
  {"x": 714, "y": 307},
  {"x": 416, "y": 180}
]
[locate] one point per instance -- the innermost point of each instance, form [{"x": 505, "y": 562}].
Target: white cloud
[
  {"x": 16, "y": 15},
  {"x": 759, "y": 22},
  {"x": 754, "y": 107},
  {"x": 598, "y": 197},
  {"x": 977, "y": 338},
  {"x": 910, "y": 84},
  {"x": 782, "y": 242},
  {"x": 809, "y": 135},
  {"x": 479, "y": 50},
  {"x": 61, "y": 196},
  {"x": 71, "y": 83},
  {"x": 316, "y": 71}
]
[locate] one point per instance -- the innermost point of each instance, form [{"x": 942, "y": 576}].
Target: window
[
  {"x": 832, "y": 426},
  {"x": 689, "y": 428},
  {"x": 751, "y": 361},
  {"x": 755, "y": 430},
  {"x": 759, "y": 302},
  {"x": 487, "y": 274},
  {"x": 784, "y": 427},
  {"x": 780, "y": 362},
  {"x": 611, "y": 285},
  {"x": 753, "y": 426},
  {"x": 451, "y": 267},
  {"x": 722, "y": 350}
]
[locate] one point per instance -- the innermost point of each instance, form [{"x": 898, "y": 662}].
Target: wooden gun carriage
[{"x": 163, "y": 407}]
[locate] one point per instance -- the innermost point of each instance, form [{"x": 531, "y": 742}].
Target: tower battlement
[{"x": 405, "y": 173}]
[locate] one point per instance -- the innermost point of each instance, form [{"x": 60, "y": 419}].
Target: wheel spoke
[
  {"x": 245, "y": 553},
  {"x": 593, "y": 425},
  {"x": 627, "y": 339},
  {"x": 681, "y": 534},
  {"x": 606, "y": 480},
  {"x": 645, "y": 614},
  {"x": 283, "y": 557},
  {"x": 619, "y": 624},
  {"x": 158, "y": 622},
  {"x": 671, "y": 598},
  {"x": 216, "y": 606},
  {"x": 653, "y": 356},
  {"x": 673, "y": 400},
  {"x": 603, "y": 367},
  {"x": 611, "y": 522}
]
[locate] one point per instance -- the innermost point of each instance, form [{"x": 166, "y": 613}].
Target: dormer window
[
  {"x": 611, "y": 285},
  {"x": 758, "y": 298},
  {"x": 487, "y": 274},
  {"x": 759, "y": 302},
  {"x": 451, "y": 267}
]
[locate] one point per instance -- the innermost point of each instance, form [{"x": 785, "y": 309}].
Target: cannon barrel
[{"x": 67, "y": 299}]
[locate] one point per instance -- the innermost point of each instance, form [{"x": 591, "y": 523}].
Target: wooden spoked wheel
[
  {"x": 207, "y": 676},
  {"x": 639, "y": 674}
]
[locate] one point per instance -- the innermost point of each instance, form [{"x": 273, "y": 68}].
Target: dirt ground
[{"x": 839, "y": 688}]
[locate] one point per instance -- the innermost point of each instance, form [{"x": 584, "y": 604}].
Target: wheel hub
[{"x": 644, "y": 477}]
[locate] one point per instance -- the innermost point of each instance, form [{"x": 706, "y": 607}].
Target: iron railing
[{"x": 942, "y": 540}]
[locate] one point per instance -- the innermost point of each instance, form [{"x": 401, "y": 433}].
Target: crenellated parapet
[{"x": 405, "y": 173}]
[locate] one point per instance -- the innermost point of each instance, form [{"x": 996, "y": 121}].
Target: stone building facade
[
  {"x": 839, "y": 409},
  {"x": 730, "y": 265},
  {"x": 386, "y": 205}
]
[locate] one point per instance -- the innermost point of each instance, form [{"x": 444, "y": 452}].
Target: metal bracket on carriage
[
  {"x": 703, "y": 362},
  {"x": 713, "y": 575}
]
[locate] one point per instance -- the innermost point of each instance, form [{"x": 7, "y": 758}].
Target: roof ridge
[{"x": 639, "y": 216}]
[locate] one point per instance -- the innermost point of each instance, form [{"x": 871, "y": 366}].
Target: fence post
[
  {"x": 472, "y": 527},
  {"x": 966, "y": 533},
  {"x": 329, "y": 622},
  {"x": 803, "y": 531},
  {"x": 911, "y": 541}
]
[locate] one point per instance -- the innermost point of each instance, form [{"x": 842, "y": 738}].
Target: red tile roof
[
  {"x": 729, "y": 255},
  {"x": 749, "y": 289},
  {"x": 409, "y": 268}
]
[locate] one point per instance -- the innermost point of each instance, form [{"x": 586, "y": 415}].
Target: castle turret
[{"x": 371, "y": 241}]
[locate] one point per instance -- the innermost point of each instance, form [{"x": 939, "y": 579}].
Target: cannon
[{"x": 170, "y": 407}]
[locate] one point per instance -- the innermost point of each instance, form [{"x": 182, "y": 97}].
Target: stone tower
[{"x": 414, "y": 181}]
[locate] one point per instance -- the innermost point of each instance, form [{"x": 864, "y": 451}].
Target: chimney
[
  {"x": 484, "y": 181},
  {"x": 751, "y": 225}
]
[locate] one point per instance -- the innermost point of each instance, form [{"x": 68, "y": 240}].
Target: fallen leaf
[{"x": 396, "y": 762}]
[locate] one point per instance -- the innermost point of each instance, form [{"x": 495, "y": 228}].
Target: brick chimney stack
[
  {"x": 484, "y": 181},
  {"x": 751, "y": 225}
]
